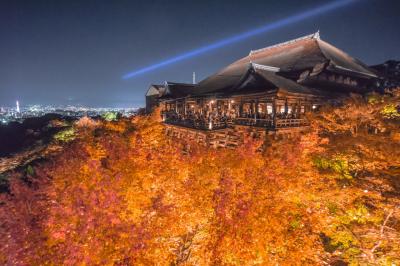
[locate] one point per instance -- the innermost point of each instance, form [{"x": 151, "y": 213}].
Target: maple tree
[{"x": 122, "y": 193}]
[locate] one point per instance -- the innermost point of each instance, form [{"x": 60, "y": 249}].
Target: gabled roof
[
  {"x": 155, "y": 89},
  {"x": 284, "y": 84},
  {"x": 177, "y": 90},
  {"x": 293, "y": 56},
  {"x": 260, "y": 78}
]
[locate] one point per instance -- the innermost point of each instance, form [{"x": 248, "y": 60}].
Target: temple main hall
[{"x": 269, "y": 90}]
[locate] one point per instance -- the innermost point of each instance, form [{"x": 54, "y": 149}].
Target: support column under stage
[{"x": 274, "y": 113}]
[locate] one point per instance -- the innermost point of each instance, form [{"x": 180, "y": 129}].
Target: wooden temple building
[{"x": 268, "y": 91}]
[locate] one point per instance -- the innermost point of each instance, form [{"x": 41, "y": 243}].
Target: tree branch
[{"x": 382, "y": 234}]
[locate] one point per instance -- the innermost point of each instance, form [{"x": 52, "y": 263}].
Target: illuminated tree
[{"x": 121, "y": 193}]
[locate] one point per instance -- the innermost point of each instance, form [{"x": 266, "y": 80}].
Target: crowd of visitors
[{"x": 222, "y": 119}]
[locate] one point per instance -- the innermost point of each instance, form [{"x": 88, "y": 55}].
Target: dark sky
[{"x": 76, "y": 51}]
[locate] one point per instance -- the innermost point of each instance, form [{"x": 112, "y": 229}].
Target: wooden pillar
[
  {"x": 255, "y": 110},
  {"x": 274, "y": 112},
  {"x": 286, "y": 106},
  {"x": 241, "y": 108}
]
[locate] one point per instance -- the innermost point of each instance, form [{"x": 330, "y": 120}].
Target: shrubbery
[
  {"x": 338, "y": 165},
  {"x": 110, "y": 116},
  {"x": 65, "y": 135}
]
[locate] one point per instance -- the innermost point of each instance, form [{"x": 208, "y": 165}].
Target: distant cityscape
[{"x": 19, "y": 113}]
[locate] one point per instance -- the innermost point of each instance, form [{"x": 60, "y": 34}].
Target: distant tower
[
  {"x": 194, "y": 77},
  {"x": 18, "y": 107}
]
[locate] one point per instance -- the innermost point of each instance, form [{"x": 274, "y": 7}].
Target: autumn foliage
[{"x": 122, "y": 193}]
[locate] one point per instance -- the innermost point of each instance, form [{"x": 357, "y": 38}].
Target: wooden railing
[
  {"x": 253, "y": 122},
  {"x": 291, "y": 122},
  {"x": 197, "y": 124},
  {"x": 219, "y": 124}
]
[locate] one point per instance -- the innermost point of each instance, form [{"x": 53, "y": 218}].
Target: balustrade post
[
  {"x": 255, "y": 111},
  {"x": 274, "y": 113}
]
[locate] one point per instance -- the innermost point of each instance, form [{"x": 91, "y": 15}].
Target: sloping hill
[{"x": 122, "y": 193}]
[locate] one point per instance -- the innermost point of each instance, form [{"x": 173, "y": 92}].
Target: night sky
[{"x": 75, "y": 52}]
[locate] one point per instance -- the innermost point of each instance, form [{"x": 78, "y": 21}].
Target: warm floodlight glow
[{"x": 244, "y": 35}]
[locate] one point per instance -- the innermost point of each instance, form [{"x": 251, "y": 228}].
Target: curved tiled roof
[
  {"x": 260, "y": 79},
  {"x": 177, "y": 90},
  {"x": 343, "y": 60},
  {"x": 292, "y": 56}
]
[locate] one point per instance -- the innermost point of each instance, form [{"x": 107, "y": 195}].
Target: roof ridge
[
  {"x": 177, "y": 83},
  {"x": 314, "y": 35},
  {"x": 264, "y": 67}
]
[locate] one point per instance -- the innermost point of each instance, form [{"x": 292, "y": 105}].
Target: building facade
[{"x": 271, "y": 88}]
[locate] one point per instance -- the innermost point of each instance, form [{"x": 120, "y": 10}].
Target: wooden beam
[{"x": 274, "y": 112}]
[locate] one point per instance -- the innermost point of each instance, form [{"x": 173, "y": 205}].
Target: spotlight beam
[{"x": 244, "y": 35}]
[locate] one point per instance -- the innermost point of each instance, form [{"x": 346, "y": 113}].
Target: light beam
[{"x": 244, "y": 35}]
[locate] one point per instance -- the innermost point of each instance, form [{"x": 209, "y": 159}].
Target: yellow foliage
[{"x": 125, "y": 194}]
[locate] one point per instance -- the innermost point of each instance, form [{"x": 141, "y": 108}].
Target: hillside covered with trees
[{"x": 121, "y": 193}]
